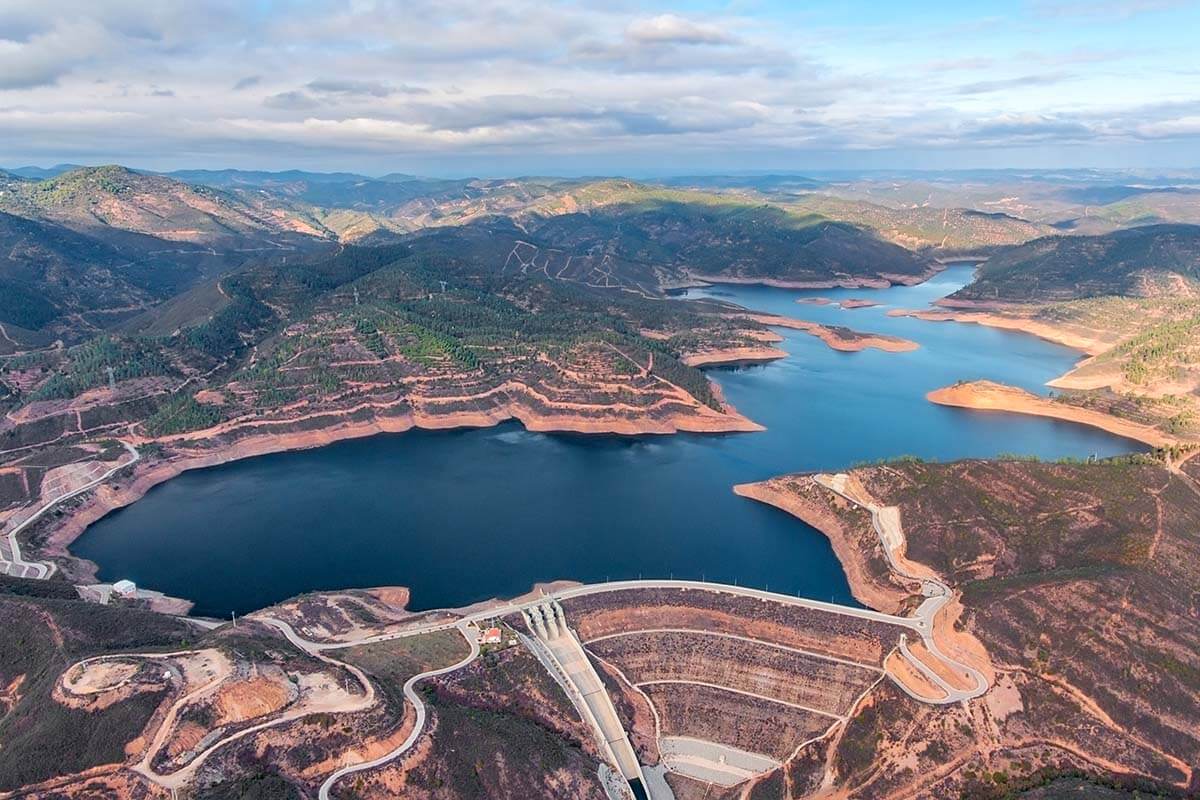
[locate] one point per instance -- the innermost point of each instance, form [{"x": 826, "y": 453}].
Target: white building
[{"x": 125, "y": 588}]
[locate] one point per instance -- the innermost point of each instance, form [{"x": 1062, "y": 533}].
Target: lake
[{"x": 460, "y": 516}]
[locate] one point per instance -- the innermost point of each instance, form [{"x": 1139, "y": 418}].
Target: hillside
[
  {"x": 59, "y": 283},
  {"x": 116, "y": 701},
  {"x": 446, "y": 327},
  {"x": 116, "y": 198},
  {"x": 945, "y": 230},
  {"x": 1150, "y": 261},
  {"x": 1078, "y": 580},
  {"x": 49, "y": 272},
  {"x": 643, "y": 236},
  {"x": 1130, "y": 300},
  {"x": 632, "y": 234}
]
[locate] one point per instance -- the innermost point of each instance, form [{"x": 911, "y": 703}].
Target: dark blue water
[{"x": 460, "y": 516}]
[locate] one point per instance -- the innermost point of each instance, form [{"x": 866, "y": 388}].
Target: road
[
  {"x": 418, "y": 726},
  {"x": 920, "y": 624},
  {"x": 181, "y": 777},
  {"x": 917, "y": 623},
  {"x": 886, "y": 521},
  {"x": 13, "y": 563}
]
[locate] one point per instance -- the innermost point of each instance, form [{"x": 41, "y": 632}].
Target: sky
[{"x": 506, "y": 87}]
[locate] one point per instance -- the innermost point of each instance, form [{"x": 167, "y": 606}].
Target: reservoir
[{"x": 461, "y": 516}]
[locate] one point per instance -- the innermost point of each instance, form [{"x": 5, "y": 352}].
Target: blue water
[{"x": 460, "y": 516}]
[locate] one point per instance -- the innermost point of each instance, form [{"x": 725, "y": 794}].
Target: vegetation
[
  {"x": 1162, "y": 352},
  {"x": 256, "y": 786},
  {"x": 40, "y": 638},
  {"x": 1142, "y": 261},
  {"x": 228, "y": 330},
  {"x": 87, "y": 366},
  {"x": 182, "y": 413}
]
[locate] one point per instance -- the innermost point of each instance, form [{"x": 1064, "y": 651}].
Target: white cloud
[
  {"x": 192, "y": 83},
  {"x": 673, "y": 29}
]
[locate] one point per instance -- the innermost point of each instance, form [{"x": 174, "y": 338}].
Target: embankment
[
  {"x": 221, "y": 445},
  {"x": 1076, "y": 340},
  {"x": 860, "y": 573}
]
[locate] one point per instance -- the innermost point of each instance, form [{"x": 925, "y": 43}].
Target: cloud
[
  {"x": 41, "y": 58},
  {"x": 1027, "y": 128},
  {"x": 291, "y": 101},
  {"x": 359, "y": 88},
  {"x": 988, "y": 87},
  {"x": 473, "y": 78},
  {"x": 1183, "y": 126},
  {"x": 673, "y": 29}
]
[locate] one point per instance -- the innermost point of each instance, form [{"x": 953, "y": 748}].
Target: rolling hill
[
  {"x": 1147, "y": 261},
  {"x": 1130, "y": 298},
  {"x": 115, "y": 198}
]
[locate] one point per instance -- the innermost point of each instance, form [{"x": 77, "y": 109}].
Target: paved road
[
  {"x": 315, "y": 649},
  {"x": 886, "y": 521},
  {"x": 418, "y": 727},
  {"x": 13, "y": 563},
  {"x": 917, "y": 623}
]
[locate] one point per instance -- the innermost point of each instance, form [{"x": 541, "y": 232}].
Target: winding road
[
  {"x": 920, "y": 624},
  {"x": 418, "y": 726},
  {"x": 13, "y": 563},
  {"x": 886, "y": 521}
]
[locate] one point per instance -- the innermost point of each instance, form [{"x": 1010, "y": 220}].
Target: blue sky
[{"x": 513, "y": 86}]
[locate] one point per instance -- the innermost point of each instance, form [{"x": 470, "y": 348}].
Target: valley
[{"x": 584, "y": 387}]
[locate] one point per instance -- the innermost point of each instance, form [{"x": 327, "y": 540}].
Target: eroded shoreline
[
  {"x": 151, "y": 472},
  {"x": 989, "y": 396}
]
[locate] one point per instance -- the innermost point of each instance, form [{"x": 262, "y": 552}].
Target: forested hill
[
  {"x": 1149, "y": 261},
  {"x": 663, "y": 240},
  {"x": 448, "y": 323},
  {"x": 94, "y": 246},
  {"x": 113, "y": 198}
]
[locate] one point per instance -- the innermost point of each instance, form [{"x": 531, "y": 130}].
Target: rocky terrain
[
  {"x": 116, "y": 699},
  {"x": 116, "y": 198}
]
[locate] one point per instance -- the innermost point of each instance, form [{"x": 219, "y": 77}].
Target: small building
[
  {"x": 125, "y": 588},
  {"x": 491, "y": 636}
]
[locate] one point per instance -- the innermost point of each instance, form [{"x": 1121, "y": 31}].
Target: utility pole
[
  {"x": 234, "y": 615},
  {"x": 443, "y": 283},
  {"x": 112, "y": 380},
  {"x": 355, "y": 295}
]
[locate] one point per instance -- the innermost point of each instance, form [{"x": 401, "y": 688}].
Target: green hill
[
  {"x": 116, "y": 198},
  {"x": 1149, "y": 261}
]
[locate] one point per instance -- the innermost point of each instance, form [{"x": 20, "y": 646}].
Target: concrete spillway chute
[
  {"x": 552, "y": 622},
  {"x": 559, "y": 614},
  {"x": 539, "y": 620}
]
